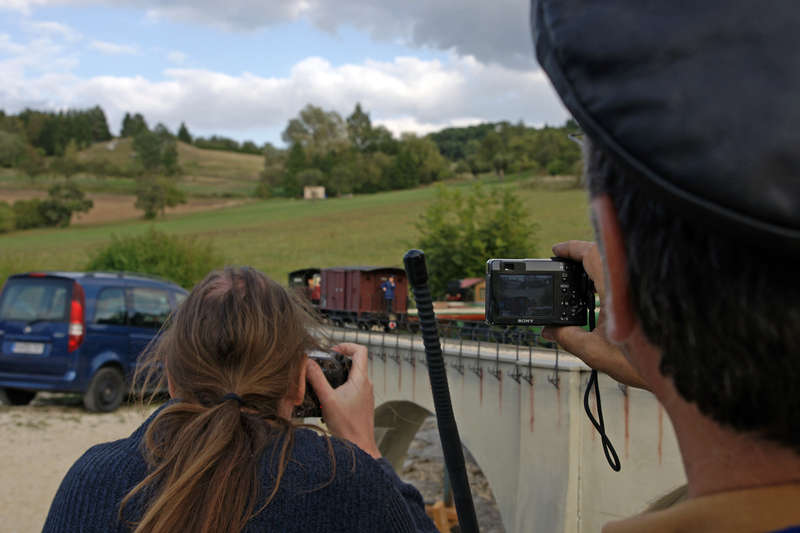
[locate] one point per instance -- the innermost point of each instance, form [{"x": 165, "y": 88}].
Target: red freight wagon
[{"x": 355, "y": 295}]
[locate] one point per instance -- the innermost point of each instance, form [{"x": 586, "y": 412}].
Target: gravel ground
[
  {"x": 424, "y": 468},
  {"x": 41, "y": 441}
]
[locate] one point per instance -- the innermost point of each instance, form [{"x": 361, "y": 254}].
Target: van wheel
[
  {"x": 19, "y": 396},
  {"x": 106, "y": 391}
]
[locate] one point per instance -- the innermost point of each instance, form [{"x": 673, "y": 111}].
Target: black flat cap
[{"x": 700, "y": 97}]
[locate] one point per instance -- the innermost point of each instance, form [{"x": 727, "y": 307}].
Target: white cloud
[
  {"x": 38, "y": 59},
  {"x": 494, "y": 31},
  {"x": 401, "y": 125},
  {"x": 177, "y": 57},
  {"x": 54, "y": 30},
  {"x": 407, "y": 94},
  {"x": 7, "y": 46},
  {"x": 23, "y": 6},
  {"x": 105, "y": 47}
]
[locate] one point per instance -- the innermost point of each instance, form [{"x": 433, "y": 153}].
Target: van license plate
[{"x": 31, "y": 348}]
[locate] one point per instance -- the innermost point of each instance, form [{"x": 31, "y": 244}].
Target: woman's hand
[
  {"x": 593, "y": 347},
  {"x": 349, "y": 410}
]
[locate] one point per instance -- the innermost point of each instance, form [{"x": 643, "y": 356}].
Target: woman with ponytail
[{"x": 223, "y": 455}]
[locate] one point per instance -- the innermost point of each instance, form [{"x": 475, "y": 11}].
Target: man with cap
[{"x": 691, "y": 115}]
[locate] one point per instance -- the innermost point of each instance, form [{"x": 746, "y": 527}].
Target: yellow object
[{"x": 443, "y": 517}]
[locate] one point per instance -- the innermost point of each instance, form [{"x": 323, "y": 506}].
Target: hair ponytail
[
  {"x": 206, "y": 463},
  {"x": 238, "y": 336}
]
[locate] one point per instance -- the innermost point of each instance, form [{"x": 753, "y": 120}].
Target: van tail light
[{"x": 76, "y": 314}]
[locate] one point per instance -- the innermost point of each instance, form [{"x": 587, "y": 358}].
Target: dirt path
[
  {"x": 112, "y": 207},
  {"x": 39, "y": 443}
]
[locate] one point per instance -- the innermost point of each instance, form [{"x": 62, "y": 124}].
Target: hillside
[
  {"x": 280, "y": 235},
  {"x": 205, "y": 173}
]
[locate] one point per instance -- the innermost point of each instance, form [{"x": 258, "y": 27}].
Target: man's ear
[
  {"x": 620, "y": 318},
  {"x": 300, "y": 393}
]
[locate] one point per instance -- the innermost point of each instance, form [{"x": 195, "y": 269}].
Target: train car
[
  {"x": 308, "y": 282},
  {"x": 464, "y": 302},
  {"x": 354, "y": 295},
  {"x": 471, "y": 290}
]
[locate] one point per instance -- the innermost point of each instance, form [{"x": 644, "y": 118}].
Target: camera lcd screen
[{"x": 519, "y": 295}]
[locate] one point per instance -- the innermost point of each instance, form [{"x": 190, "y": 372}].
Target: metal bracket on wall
[
  {"x": 516, "y": 374},
  {"x": 554, "y": 378},
  {"x": 529, "y": 376},
  {"x": 478, "y": 369},
  {"x": 496, "y": 372},
  {"x": 459, "y": 366}
]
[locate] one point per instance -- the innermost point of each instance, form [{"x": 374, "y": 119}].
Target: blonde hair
[{"x": 238, "y": 333}]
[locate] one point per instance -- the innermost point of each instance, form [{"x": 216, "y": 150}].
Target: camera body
[
  {"x": 537, "y": 292},
  {"x": 336, "y": 368}
]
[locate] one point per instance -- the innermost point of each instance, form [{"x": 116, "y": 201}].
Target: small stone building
[{"x": 313, "y": 193}]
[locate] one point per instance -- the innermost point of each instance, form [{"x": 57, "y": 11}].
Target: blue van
[{"x": 79, "y": 332}]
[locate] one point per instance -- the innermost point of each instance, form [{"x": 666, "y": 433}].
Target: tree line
[
  {"x": 347, "y": 155},
  {"x": 504, "y": 147},
  {"x": 352, "y": 155}
]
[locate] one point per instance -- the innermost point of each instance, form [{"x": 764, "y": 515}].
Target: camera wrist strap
[{"x": 598, "y": 423}]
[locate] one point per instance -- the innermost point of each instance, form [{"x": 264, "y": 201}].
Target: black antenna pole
[{"x": 417, "y": 272}]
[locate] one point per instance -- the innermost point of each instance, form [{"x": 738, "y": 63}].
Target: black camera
[
  {"x": 336, "y": 368},
  {"x": 537, "y": 292}
]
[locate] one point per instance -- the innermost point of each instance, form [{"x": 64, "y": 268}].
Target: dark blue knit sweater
[{"x": 366, "y": 495}]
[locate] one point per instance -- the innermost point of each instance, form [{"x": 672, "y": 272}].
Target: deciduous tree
[
  {"x": 460, "y": 232},
  {"x": 295, "y": 163},
  {"x": 155, "y": 194},
  {"x": 359, "y": 129},
  {"x": 64, "y": 200},
  {"x": 316, "y": 130},
  {"x": 12, "y": 149}
]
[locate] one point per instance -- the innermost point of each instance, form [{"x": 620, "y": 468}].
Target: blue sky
[{"x": 242, "y": 68}]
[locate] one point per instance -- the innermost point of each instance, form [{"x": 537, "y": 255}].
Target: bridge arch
[{"x": 521, "y": 417}]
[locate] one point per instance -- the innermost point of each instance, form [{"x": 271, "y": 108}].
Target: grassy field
[
  {"x": 204, "y": 172},
  {"x": 281, "y": 235}
]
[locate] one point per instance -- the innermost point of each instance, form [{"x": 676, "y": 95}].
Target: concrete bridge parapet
[{"x": 520, "y": 413}]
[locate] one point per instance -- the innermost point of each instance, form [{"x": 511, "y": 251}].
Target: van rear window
[{"x": 30, "y": 299}]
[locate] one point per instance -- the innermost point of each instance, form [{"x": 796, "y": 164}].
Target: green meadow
[{"x": 281, "y": 235}]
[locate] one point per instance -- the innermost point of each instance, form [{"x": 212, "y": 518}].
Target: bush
[
  {"x": 460, "y": 232},
  {"x": 6, "y": 218},
  {"x": 155, "y": 194},
  {"x": 63, "y": 200},
  {"x": 12, "y": 149},
  {"x": 184, "y": 261},
  {"x": 263, "y": 190},
  {"x": 29, "y": 214}
]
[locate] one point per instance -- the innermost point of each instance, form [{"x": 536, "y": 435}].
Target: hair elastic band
[{"x": 232, "y": 396}]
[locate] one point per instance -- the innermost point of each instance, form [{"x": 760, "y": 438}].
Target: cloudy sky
[{"x": 242, "y": 68}]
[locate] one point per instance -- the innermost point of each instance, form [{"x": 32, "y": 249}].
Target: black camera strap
[{"x": 598, "y": 423}]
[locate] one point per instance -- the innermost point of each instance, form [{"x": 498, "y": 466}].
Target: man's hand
[
  {"x": 349, "y": 410},
  {"x": 593, "y": 347}
]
